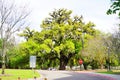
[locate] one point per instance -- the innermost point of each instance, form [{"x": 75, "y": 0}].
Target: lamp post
[
  {"x": 83, "y": 40},
  {"x": 109, "y": 59},
  {"x": 81, "y": 61}
]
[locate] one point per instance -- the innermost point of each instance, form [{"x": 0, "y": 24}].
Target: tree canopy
[{"x": 60, "y": 36}]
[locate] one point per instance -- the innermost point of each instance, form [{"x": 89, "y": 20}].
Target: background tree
[
  {"x": 97, "y": 50},
  {"x": 27, "y": 33},
  {"x": 12, "y": 18},
  {"x": 115, "y": 43},
  {"x": 115, "y": 37}
]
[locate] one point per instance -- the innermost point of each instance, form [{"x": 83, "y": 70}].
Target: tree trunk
[
  {"x": 63, "y": 62},
  {"x": 3, "y": 65},
  {"x": 3, "y": 57},
  {"x": 85, "y": 66},
  {"x": 101, "y": 66},
  {"x": 62, "y": 65}
]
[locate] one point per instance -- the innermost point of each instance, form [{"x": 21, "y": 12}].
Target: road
[{"x": 73, "y": 75}]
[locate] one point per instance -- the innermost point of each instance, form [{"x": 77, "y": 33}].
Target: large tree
[
  {"x": 12, "y": 18},
  {"x": 60, "y": 34}
]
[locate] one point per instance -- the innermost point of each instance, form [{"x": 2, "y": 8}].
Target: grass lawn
[
  {"x": 117, "y": 72},
  {"x": 13, "y": 74}
]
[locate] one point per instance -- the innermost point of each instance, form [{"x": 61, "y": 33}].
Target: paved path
[{"x": 73, "y": 75}]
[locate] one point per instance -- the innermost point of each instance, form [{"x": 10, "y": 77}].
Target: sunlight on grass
[{"x": 13, "y": 74}]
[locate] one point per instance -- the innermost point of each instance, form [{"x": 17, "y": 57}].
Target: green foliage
[
  {"x": 97, "y": 50},
  {"x": 65, "y": 33},
  {"x": 60, "y": 39},
  {"x": 114, "y": 8},
  {"x": 114, "y": 60},
  {"x": 16, "y": 59},
  {"x": 27, "y": 33},
  {"x": 0, "y": 43},
  {"x": 45, "y": 48}
]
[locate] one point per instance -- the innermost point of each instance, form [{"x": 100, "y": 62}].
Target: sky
[{"x": 91, "y": 10}]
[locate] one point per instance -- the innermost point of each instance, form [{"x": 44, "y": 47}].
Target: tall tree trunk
[
  {"x": 3, "y": 65},
  {"x": 3, "y": 56}
]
